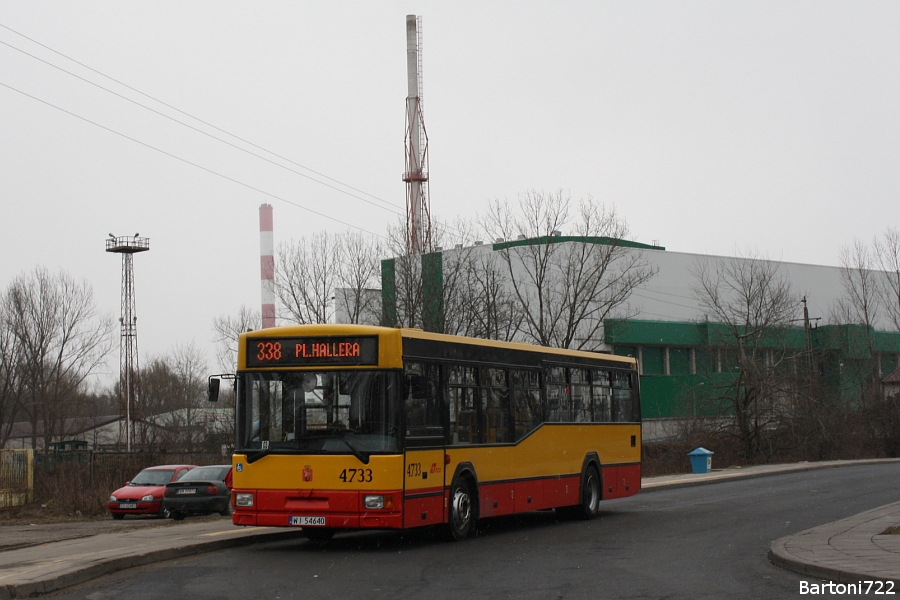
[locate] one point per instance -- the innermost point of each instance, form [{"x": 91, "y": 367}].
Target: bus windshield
[{"x": 325, "y": 412}]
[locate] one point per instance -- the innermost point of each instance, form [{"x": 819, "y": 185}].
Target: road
[{"x": 700, "y": 542}]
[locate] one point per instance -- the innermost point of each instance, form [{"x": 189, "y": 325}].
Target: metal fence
[{"x": 16, "y": 477}]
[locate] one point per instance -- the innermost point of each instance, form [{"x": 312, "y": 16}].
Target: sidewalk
[
  {"x": 846, "y": 551},
  {"x": 43, "y": 559},
  {"x": 53, "y": 566}
]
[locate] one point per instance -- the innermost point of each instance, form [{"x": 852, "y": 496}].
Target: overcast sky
[{"x": 712, "y": 126}]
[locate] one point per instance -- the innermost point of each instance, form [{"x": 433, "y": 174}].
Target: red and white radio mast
[{"x": 418, "y": 212}]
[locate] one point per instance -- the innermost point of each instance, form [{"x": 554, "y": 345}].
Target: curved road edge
[{"x": 847, "y": 551}]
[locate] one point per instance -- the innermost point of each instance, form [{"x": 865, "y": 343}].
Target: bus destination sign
[{"x": 302, "y": 352}]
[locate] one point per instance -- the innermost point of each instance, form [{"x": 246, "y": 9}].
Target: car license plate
[
  {"x": 128, "y": 505},
  {"x": 187, "y": 491},
  {"x": 308, "y": 521}
]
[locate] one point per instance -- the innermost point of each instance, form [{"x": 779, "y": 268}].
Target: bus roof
[{"x": 349, "y": 329}]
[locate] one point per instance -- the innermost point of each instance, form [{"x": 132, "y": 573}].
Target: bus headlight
[
  {"x": 378, "y": 502},
  {"x": 243, "y": 499}
]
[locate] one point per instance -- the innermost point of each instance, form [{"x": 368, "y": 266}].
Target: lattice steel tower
[
  {"x": 129, "y": 370},
  {"x": 418, "y": 199}
]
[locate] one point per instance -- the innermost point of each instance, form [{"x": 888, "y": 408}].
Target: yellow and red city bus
[{"x": 343, "y": 427}]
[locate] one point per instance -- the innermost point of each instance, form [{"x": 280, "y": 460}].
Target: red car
[{"x": 143, "y": 495}]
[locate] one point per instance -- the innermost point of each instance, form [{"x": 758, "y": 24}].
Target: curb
[
  {"x": 54, "y": 584},
  {"x": 723, "y": 476},
  {"x": 780, "y": 557}
]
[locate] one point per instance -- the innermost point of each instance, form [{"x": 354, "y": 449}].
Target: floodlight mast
[{"x": 129, "y": 370}]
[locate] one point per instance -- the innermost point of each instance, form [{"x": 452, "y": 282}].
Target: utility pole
[{"x": 806, "y": 330}]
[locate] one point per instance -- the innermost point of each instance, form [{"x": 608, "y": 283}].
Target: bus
[{"x": 352, "y": 427}]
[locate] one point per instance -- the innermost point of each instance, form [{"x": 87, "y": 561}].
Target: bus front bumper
[{"x": 320, "y": 508}]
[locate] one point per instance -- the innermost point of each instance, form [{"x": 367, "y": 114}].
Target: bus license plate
[
  {"x": 128, "y": 505},
  {"x": 308, "y": 521}
]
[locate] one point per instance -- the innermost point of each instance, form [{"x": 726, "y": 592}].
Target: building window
[
  {"x": 679, "y": 361},
  {"x": 653, "y": 360}
]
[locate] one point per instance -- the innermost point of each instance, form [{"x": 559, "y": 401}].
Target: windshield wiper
[
  {"x": 362, "y": 456},
  {"x": 252, "y": 457}
]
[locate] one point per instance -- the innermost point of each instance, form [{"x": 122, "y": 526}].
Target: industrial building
[{"x": 663, "y": 323}]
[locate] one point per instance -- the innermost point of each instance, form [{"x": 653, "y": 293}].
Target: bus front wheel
[{"x": 462, "y": 510}]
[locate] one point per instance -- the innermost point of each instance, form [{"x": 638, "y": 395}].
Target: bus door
[{"x": 424, "y": 478}]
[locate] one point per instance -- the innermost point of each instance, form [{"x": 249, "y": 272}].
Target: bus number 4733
[{"x": 357, "y": 475}]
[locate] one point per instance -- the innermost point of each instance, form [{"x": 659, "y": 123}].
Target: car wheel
[
  {"x": 462, "y": 510},
  {"x": 227, "y": 511},
  {"x": 164, "y": 512},
  {"x": 317, "y": 534},
  {"x": 118, "y": 516}
]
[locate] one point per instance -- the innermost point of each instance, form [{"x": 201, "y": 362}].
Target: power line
[
  {"x": 663, "y": 301},
  {"x": 666, "y": 293},
  {"x": 390, "y": 206},
  {"x": 186, "y": 161}
]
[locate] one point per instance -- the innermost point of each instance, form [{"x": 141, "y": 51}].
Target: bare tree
[
  {"x": 11, "y": 391},
  {"x": 887, "y": 255},
  {"x": 174, "y": 387},
  {"x": 755, "y": 305},
  {"x": 482, "y": 304},
  {"x": 227, "y": 329},
  {"x": 63, "y": 341},
  {"x": 867, "y": 291},
  {"x": 566, "y": 286},
  {"x": 306, "y": 275},
  {"x": 311, "y": 270},
  {"x": 860, "y": 306},
  {"x": 403, "y": 291},
  {"x": 359, "y": 276},
  {"x": 460, "y": 289}
]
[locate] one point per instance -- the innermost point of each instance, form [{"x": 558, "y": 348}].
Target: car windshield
[
  {"x": 332, "y": 412},
  {"x": 215, "y": 473},
  {"x": 153, "y": 477}
]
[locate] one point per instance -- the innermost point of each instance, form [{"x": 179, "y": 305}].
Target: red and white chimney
[{"x": 267, "y": 265}]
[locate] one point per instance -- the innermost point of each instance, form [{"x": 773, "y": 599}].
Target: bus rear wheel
[
  {"x": 462, "y": 512},
  {"x": 317, "y": 534},
  {"x": 590, "y": 494}
]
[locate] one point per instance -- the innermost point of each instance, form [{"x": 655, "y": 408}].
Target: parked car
[
  {"x": 203, "y": 491},
  {"x": 143, "y": 495}
]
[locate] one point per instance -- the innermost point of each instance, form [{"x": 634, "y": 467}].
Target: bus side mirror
[{"x": 213, "y": 389}]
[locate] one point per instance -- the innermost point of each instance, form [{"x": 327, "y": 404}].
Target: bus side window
[
  {"x": 580, "y": 395},
  {"x": 422, "y": 404},
  {"x": 527, "y": 401},
  {"x": 462, "y": 383},
  {"x": 622, "y": 407},
  {"x": 557, "y": 408},
  {"x": 601, "y": 396},
  {"x": 495, "y": 406}
]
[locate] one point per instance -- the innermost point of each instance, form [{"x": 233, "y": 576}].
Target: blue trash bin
[{"x": 701, "y": 460}]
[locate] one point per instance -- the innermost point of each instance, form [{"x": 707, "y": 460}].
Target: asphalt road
[{"x": 700, "y": 542}]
